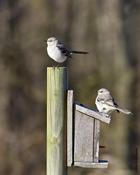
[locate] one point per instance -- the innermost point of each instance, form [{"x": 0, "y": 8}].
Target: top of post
[
  {"x": 56, "y": 67},
  {"x": 59, "y": 69}
]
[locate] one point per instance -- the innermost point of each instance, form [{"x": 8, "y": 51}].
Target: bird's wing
[
  {"x": 63, "y": 49},
  {"x": 108, "y": 100}
]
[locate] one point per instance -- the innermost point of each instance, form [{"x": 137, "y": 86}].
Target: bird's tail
[
  {"x": 125, "y": 111},
  {"x": 79, "y": 52}
]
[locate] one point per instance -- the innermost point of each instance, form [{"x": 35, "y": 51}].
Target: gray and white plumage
[
  {"x": 58, "y": 52},
  {"x": 106, "y": 104}
]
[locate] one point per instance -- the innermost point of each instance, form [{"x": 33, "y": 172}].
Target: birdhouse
[{"x": 83, "y": 132}]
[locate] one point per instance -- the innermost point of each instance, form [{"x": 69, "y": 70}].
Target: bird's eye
[{"x": 101, "y": 91}]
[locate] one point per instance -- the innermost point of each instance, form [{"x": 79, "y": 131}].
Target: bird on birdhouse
[{"x": 106, "y": 104}]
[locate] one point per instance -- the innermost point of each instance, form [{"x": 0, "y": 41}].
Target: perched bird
[
  {"x": 58, "y": 52},
  {"x": 106, "y": 104}
]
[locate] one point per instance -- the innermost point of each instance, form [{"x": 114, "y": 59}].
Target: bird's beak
[{"x": 45, "y": 40}]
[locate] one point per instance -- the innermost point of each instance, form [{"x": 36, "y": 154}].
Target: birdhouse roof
[{"x": 92, "y": 113}]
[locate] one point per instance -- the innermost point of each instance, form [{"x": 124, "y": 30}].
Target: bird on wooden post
[
  {"x": 106, "y": 104},
  {"x": 58, "y": 52}
]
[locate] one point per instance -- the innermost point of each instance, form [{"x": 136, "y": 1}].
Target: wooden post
[{"x": 56, "y": 106}]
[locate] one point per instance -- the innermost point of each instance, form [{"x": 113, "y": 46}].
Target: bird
[
  {"x": 106, "y": 104},
  {"x": 58, "y": 52}
]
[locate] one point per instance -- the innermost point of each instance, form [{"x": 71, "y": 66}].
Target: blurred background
[{"x": 110, "y": 31}]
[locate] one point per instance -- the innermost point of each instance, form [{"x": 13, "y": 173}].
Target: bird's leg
[{"x": 55, "y": 64}]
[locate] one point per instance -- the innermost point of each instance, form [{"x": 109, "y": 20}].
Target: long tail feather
[
  {"x": 79, "y": 52},
  {"x": 125, "y": 111}
]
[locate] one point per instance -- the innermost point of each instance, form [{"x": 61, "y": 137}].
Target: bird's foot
[{"x": 105, "y": 114}]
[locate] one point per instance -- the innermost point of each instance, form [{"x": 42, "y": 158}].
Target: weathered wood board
[
  {"x": 83, "y": 138},
  {"x": 101, "y": 164},
  {"x": 96, "y": 140},
  {"x": 70, "y": 128}
]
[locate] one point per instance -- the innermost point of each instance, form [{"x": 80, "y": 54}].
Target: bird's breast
[{"x": 55, "y": 54}]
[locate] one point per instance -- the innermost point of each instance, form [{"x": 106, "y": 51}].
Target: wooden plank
[
  {"x": 83, "y": 138},
  {"x": 70, "y": 128},
  {"x": 92, "y": 113},
  {"x": 56, "y": 104},
  {"x": 96, "y": 140},
  {"x": 101, "y": 164}
]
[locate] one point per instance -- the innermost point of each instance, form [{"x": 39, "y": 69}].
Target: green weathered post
[{"x": 56, "y": 106}]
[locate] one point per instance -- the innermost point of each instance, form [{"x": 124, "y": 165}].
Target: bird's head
[
  {"x": 103, "y": 91},
  {"x": 51, "y": 41}
]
